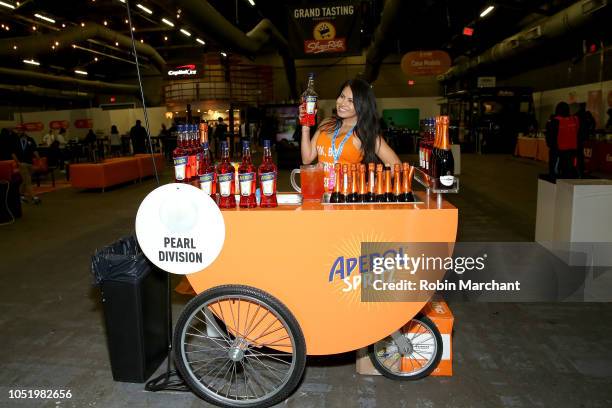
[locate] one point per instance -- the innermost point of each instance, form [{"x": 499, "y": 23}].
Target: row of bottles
[
  {"x": 193, "y": 165},
  {"x": 435, "y": 155},
  {"x": 381, "y": 186}
]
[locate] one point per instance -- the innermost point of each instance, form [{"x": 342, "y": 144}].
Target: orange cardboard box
[{"x": 438, "y": 311}]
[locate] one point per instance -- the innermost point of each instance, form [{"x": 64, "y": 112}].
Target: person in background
[
  {"x": 562, "y": 141},
  {"x": 352, "y": 136},
  {"x": 24, "y": 152},
  {"x": 115, "y": 141},
  {"x": 61, "y": 137},
  {"x": 585, "y": 131},
  {"x": 220, "y": 135},
  {"x": 48, "y": 138},
  {"x": 8, "y": 140},
  {"x": 138, "y": 135},
  {"x": 164, "y": 135}
]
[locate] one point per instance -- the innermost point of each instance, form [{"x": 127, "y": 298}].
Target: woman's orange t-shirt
[{"x": 350, "y": 154}]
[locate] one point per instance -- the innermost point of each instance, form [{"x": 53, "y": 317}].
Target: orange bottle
[
  {"x": 370, "y": 195},
  {"x": 397, "y": 187},
  {"x": 354, "y": 194},
  {"x": 407, "y": 174},
  {"x": 388, "y": 191},
  {"x": 380, "y": 192},
  {"x": 362, "y": 183},
  {"x": 346, "y": 180},
  {"x": 335, "y": 196}
]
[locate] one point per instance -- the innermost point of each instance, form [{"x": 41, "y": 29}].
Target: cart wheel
[
  {"x": 421, "y": 356},
  {"x": 237, "y": 346}
]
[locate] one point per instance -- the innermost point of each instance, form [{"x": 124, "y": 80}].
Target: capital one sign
[{"x": 184, "y": 70}]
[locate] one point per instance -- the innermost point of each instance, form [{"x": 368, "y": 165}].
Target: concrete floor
[{"x": 505, "y": 355}]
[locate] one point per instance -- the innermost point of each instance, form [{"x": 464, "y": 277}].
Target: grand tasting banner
[{"x": 324, "y": 30}]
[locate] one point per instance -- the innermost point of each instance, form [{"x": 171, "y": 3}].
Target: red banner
[
  {"x": 83, "y": 123},
  {"x": 425, "y": 63},
  {"x": 32, "y": 126},
  {"x": 58, "y": 124}
]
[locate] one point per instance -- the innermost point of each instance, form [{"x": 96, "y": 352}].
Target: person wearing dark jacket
[
  {"x": 24, "y": 152},
  {"x": 138, "y": 134}
]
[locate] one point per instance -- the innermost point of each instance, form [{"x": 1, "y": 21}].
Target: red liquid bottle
[
  {"x": 247, "y": 178},
  {"x": 208, "y": 181},
  {"x": 225, "y": 178},
  {"x": 196, "y": 148},
  {"x": 309, "y": 103},
  {"x": 180, "y": 156},
  {"x": 267, "y": 178}
]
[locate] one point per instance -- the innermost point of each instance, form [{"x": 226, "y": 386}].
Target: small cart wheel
[
  {"x": 237, "y": 346},
  {"x": 413, "y": 360}
]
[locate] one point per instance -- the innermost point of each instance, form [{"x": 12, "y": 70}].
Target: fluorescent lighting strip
[
  {"x": 77, "y": 71},
  {"x": 31, "y": 62},
  {"x": 145, "y": 9},
  {"x": 252, "y": 3},
  {"x": 487, "y": 11},
  {"x": 187, "y": 33},
  {"x": 201, "y": 41},
  {"x": 167, "y": 22},
  {"x": 44, "y": 18},
  {"x": 2, "y": 3}
]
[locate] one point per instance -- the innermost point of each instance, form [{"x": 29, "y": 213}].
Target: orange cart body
[{"x": 291, "y": 251}]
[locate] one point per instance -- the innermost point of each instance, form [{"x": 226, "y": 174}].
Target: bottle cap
[
  {"x": 311, "y": 75},
  {"x": 267, "y": 143},
  {"x": 180, "y": 128},
  {"x": 245, "y": 143},
  {"x": 205, "y": 145},
  {"x": 223, "y": 144}
]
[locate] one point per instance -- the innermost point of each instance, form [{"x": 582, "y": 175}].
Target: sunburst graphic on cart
[{"x": 351, "y": 248}]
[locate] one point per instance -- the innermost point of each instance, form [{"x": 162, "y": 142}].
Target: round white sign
[{"x": 180, "y": 228}]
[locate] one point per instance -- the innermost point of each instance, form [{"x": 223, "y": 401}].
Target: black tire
[
  {"x": 216, "y": 349},
  {"x": 434, "y": 340}
]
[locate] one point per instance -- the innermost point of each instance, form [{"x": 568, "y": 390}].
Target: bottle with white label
[
  {"x": 247, "y": 179},
  {"x": 445, "y": 163},
  {"x": 267, "y": 178},
  {"x": 225, "y": 179},
  {"x": 180, "y": 156},
  {"x": 208, "y": 181}
]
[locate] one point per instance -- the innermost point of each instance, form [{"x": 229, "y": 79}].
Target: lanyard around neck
[{"x": 337, "y": 152}]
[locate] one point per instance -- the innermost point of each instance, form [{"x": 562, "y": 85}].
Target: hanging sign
[
  {"x": 180, "y": 228},
  {"x": 425, "y": 63},
  {"x": 486, "y": 82},
  {"x": 33, "y": 126},
  {"x": 183, "y": 70},
  {"x": 58, "y": 124},
  {"x": 324, "y": 30},
  {"x": 83, "y": 123}
]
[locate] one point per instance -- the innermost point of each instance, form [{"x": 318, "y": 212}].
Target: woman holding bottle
[{"x": 352, "y": 136}]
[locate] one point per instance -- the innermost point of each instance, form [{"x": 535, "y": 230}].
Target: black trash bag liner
[{"x": 121, "y": 261}]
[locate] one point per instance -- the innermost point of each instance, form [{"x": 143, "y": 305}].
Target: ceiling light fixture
[
  {"x": 201, "y": 41},
  {"x": 34, "y": 28},
  {"x": 187, "y": 33},
  {"x": 96, "y": 59},
  {"x": 63, "y": 25},
  {"x": 168, "y": 22},
  {"x": 77, "y": 71},
  {"x": 145, "y": 9},
  {"x": 56, "y": 43},
  {"x": 252, "y": 3},
  {"x": 116, "y": 44},
  {"x": 82, "y": 24},
  {"x": 40, "y": 16},
  {"x": 14, "y": 47},
  {"x": 223, "y": 54},
  {"x": 165, "y": 38},
  {"x": 31, "y": 62},
  {"x": 487, "y": 11},
  {"x": 2, "y": 3},
  {"x": 105, "y": 23},
  {"x": 122, "y": 1}
]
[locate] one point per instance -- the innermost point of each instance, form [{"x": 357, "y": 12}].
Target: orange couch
[
  {"x": 114, "y": 171},
  {"x": 106, "y": 174},
  {"x": 145, "y": 165},
  {"x": 7, "y": 168}
]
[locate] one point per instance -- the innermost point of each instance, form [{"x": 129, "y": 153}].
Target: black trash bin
[{"x": 134, "y": 296}]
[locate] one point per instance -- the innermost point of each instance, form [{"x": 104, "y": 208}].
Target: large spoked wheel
[
  {"x": 412, "y": 356},
  {"x": 237, "y": 346}
]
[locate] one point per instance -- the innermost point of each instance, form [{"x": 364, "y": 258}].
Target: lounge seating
[{"x": 112, "y": 172}]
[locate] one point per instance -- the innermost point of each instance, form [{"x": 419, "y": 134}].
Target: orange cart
[{"x": 286, "y": 285}]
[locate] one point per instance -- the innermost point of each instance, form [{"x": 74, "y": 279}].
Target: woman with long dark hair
[{"x": 352, "y": 135}]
